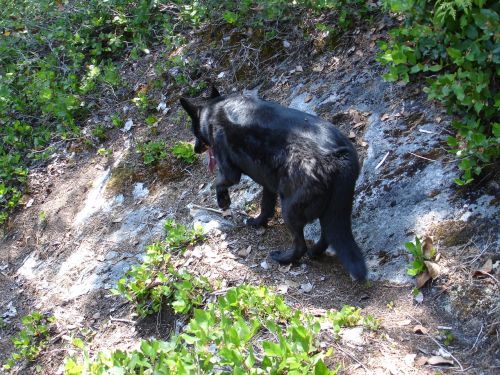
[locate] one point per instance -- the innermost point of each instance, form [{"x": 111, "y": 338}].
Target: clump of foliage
[
  {"x": 156, "y": 281},
  {"x": 184, "y": 151},
  {"x": 454, "y": 45},
  {"x": 53, "y": 55},
  {"x": 152, "y": 151},
  {"x": 32, "y": 339},
  {"x": 420, "y": 255},
  {"x": 248, "y": 330}
]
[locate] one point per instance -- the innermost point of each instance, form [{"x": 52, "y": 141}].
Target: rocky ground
[{"x": 99, "y": 212}]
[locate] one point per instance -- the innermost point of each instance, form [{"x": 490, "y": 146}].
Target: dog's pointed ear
[
  {"x": 191, "y": 108},
  {"x": 214, "y": 93}
]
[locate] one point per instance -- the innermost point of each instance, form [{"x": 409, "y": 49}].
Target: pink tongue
[{"x": 211, "y": 160}]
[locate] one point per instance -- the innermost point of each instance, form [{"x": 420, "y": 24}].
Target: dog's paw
[
  {"x": 256, "y": 222},
  {"x": 316, "y": 251},
  {"x": 223, "y": 201},
  {"x": 284, "y": 257}
]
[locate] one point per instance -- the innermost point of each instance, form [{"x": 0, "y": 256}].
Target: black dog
[{"x": 305, "y": 160}]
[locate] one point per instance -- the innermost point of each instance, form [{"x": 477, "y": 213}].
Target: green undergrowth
[
  {"x": 454, "y": 46},
  {"x": 245, "y": 330},
  {"x": 58, "y": 58},
  {"x": 156, "y": 281},
  {"x": 31, "y": 340}
]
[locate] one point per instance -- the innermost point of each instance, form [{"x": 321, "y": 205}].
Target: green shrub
[
  {"x": 453, "y": 44},
  {"x": 248, "y": 330},
  {"x": 31, "y": 340},
  {"x": 184, "y": 151},
  {"x": 156, "y": 281},
  {"x": 152, "y": 151}
]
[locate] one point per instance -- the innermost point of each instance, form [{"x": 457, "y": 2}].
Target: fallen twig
[
  {"x": 421, "y": 157},
  {"x": 128, "y": 321},
  {"x": 353, "y": 358},
  {"x": 382, "y": 161},
  {"x": 220, "y": 212}
]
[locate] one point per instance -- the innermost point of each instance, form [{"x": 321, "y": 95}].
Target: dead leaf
[
  {"x": 420, "y": 361},
  {"x": 243, "y": 253},
  {"x": 438, "y": 360},
  {"x": 422, "y": 279},
  {"x": 30, "y": 203},
  {"x": 428, "y": 248},
  {"x": 432, "y": 268},
  {"x": 291, "y": 283},
  {"x": 308, "y": 98},
  {"x": 358, "y": 124},
  {"x": 285, "y": 269},
  {"x": 384, "y": 117},
  {"x": 282, "y": 289},
  {"x": 352, "y": 135},
  {"x": 485, "y": 269},
  {"x": 420, "y": 330},
  {"x": 318, "y": 68},
  {"x": 306, "y": 288},
  {"x": 419, "y": 297},
  {"x": 438, "y": 119},
  {"x": 403, "y": 322},
  {"x": 409, "y": 359}
]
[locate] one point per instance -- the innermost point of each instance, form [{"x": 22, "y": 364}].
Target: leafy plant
[
  {"x": 184, "y": 151},
  {"x": 452, "y": 44},
  {"x": 179, "y": 236},
  {"x": 152, "y": 151},
  {"x": 247, "y": 330},
  {"x": 416, "y": 249},
  {"x": 156, "y": 281},
  {"x": 32, "y": 339}
]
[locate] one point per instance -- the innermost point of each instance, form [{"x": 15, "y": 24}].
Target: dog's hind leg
[
  {"x": 267, "y": 206},
  {"x": 294, "y": 220}
]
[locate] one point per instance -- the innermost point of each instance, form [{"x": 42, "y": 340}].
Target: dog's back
[{"x": 266, "y": 138}]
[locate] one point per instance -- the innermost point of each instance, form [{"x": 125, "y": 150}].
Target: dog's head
[{"x": 194, "y": 107}]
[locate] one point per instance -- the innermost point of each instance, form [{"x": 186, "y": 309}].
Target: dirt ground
[{"x": 100, "y": 212}]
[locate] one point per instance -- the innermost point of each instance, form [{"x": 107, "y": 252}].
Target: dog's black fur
[{"x": 305, "y": 160}]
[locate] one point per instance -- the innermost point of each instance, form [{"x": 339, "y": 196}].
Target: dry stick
[
  {"x": 382, "y": 161},
  {"x": 121, "y": 320},
  {"x": 438, "y": 343},
  {"x": 354, "y": 358},
  {"x": 477, "y": 338},
  {"x": 220, "y": 212},
  {"x": 421, "y": 157}
]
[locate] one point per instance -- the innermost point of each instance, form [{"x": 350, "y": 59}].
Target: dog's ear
[
  {"x": 214, "y": 93},
  {"x": 191, "y": 108}
]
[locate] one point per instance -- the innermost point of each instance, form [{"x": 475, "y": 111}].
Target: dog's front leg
[
  {"x": 226, "y": 178},
  {"x": 266, "y": 209}
]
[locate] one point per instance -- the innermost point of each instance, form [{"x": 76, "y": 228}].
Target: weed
[
  {"x": 104, "y": 152},
  {"x": 417, "y": 265},
  {"x": 117, "y": 121},
  {"x": 451, "y": 43},
  {"x": 31, "y": 340},
  {"x": 99, "y": 132},
  {"x": 248, "y": 330},
  {"x": 152, "y": 151},
  {"x": 184, "y": 151},
  {"x": 447, "y": 336},
  {"x": 156, "y": 281}
]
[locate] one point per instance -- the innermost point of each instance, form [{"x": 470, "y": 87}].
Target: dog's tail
[{"x": 338, "y": 231}]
